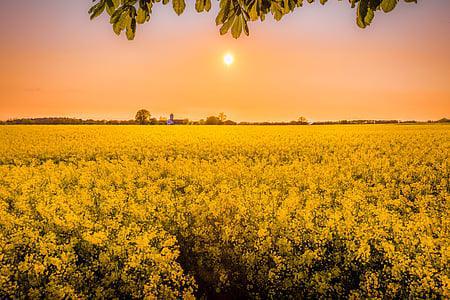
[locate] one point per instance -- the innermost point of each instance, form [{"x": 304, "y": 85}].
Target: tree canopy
[
  {"x": 143, "y": 116},
  {"x": 234, "y": 15}
]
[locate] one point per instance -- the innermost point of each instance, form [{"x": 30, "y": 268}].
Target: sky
[{"x": 315, "y": 63}]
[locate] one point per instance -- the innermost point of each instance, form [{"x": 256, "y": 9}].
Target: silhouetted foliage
[
  {"x": 229, "y": 122},
  {"x": 302, "y": 120},
  {"x": 66, "y": 121},
  {"x": 222, "y": 117},
  {"x": 443, "y": 120},
  {"x": 213, "y": 120},
  {"x": 234, "y": 15},
  {"x": 353, "y": 122},
  {"x": 143, "y": 116}
]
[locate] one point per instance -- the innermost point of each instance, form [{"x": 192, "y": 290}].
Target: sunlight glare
[{"x": 228, "y": 59}]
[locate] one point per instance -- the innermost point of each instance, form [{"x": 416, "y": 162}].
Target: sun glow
[{"x": 228, "y": 59}]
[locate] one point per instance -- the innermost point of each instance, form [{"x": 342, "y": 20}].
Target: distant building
[{"x": 173, "y": 121}]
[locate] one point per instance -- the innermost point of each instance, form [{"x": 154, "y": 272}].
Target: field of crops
[{"x": 225, "y": 212}]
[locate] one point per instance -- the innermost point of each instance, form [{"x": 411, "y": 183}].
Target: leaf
[
  {"x": 363, "y": 7},
  {"x": 236, "y": 29},
  {"x": 224, "y": 12},
  {"x": 276, "y": 10},
  {"x": 388, "y": 5},
  {"x": 123, "y": 21},
  {"x": 131, "y": 29},
  {"x": 202, "y": 5},
  {"x": 360, "y": 23},
  {"x": 178, "y": 6},
  {"x": 141, "y": 16},
  {"x": 116, "y": 16},
  {"x": 254, "y": 11},
  {"x": 110, "y": 7},
  {"x": 199, "y": 5},
  {"x": 132, "y": 11},
  {"x": 286, "y": 7},
  {"x": 97, "y": 9},
  {"x": 207, "y": 5},
  {"x": 369, "y": 17},
  {"x": 226, "y": 26},
  {"x": 220, "y": 17},
  {"x": 246, "y": 31},
  {"x": 117, "y": 29}
]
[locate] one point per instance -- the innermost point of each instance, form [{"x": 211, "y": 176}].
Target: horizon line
[{"x": 240, "y": 121}]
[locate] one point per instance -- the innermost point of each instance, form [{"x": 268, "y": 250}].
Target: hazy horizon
[
  {"x": 315, "y": 63},
  {"x": 228, "y": 118}
]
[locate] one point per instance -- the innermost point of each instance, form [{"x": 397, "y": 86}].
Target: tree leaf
[
  {"x": 141, "y": 16},
  {"x": 226, "y": 26},
  {"x": 131, "y": 29},
  {"x": 178, "y": 6},
  {"x": 246, "y": 30},
  {"x": 236, "y": 29},
  {"x": 207, "y": 5},
  {"x": 123, "y": 21},
  {"x": 224, "y": 12},
  {"x": 254, "y": 11},
  {"x": 97, "y": 9},
  {"x": 199, "y": 5},
  {"x": 369, "y": 16},
  {"x": 110, "y": 7},
  {"x": 363, "y": 7},
  {"x": 388, "y": 5}
]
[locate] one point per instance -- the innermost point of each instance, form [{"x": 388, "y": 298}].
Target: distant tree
[
  {"x": 233, "y": 15},
  {"x": 229, "y": 122},
  {"x": 71, "y": 121},
  {"x": 443, "y": 120},
  {"x": 212, "y": 120},
  {"x": 302, "y": 120},
  {"x": 143, "y": 116},
  {"x": 222, "y": 117}
]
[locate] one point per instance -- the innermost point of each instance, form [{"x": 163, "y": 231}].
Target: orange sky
[{"x": 315, "y": 63}]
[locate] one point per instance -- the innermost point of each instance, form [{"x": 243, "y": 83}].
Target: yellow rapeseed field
[{"x": 231, "y": 211}]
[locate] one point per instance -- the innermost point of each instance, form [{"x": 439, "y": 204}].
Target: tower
[{"x": 171, "y": 120}]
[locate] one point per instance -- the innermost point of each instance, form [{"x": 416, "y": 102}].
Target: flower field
[{"x": 225, "y": 211}]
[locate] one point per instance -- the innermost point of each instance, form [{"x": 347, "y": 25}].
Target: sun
[{"x": 228, "y": 59}]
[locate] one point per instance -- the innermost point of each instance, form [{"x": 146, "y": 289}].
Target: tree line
[{"x": 220, "y": 119}]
